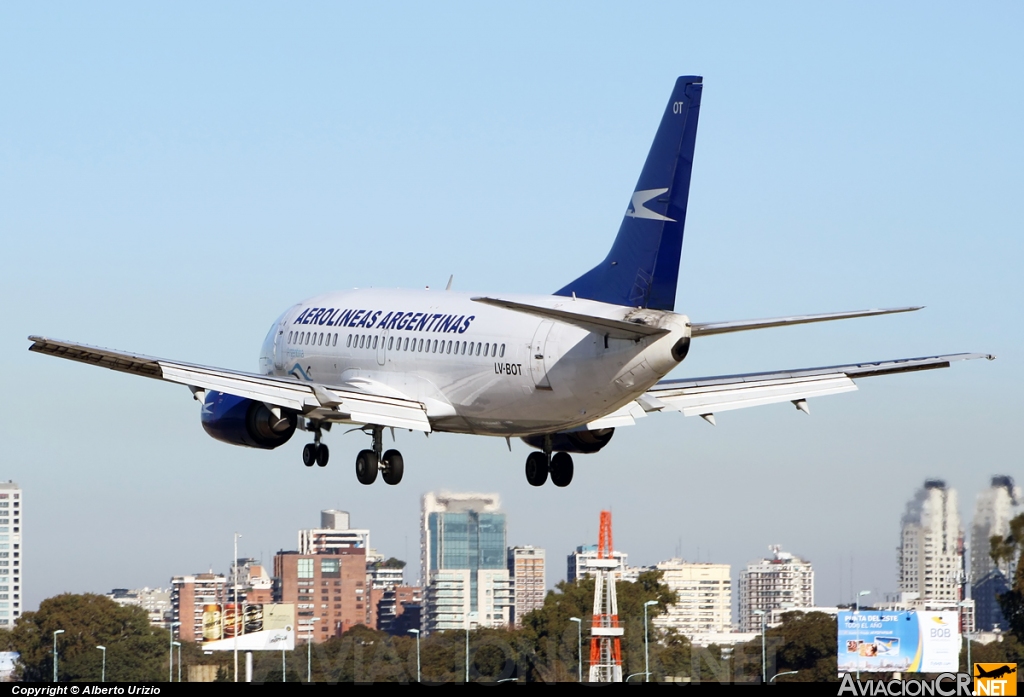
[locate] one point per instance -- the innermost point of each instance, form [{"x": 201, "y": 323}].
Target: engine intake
[
  {"x": 241, "y": 421},
  {"x": 584, "y": 442}
]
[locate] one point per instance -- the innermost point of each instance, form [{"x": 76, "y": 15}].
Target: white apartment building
[
  {"x": 704, "y": 597},
  {"x": 526, "y": 569},
  {"x": 155, "y": 601},
  {"x": 333, "y": 534},
  {"x": 779, "y": 581},
  {"x": 11, "y": 589},
  {"x": 577, "y": 564},
  {"x": 931, "y": 547},
  {"x": 994, "y": 509}
]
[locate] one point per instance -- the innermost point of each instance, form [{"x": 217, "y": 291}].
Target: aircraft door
[
  {"x": 538, "y": 356},
  {"x": 382, "y": 351},
  {"x": 279, "y": 346}
]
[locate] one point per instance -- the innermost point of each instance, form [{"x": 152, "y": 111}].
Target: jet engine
[
  {"x": 584, "y": 442},
  {"x": 241, "y": 421}
]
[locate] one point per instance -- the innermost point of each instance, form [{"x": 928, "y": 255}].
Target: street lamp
[
  {"x": 103, "y": 670},
  {"x": 178, "y": 644},
  {"x": 170, "y": 650},
  {"x": 967, "y": 635},
  {"x": 856, "y": 617},
  {"x": 234, "y": 641},
  {"x": 647, "y": 664},
  {"x": 417, "y": 633},
  {"x": 764, "y": 662},
  {"x": 579, "y": 647},
  {"x": 59, "y": 631},
  {"x": 309, "y": 651}
]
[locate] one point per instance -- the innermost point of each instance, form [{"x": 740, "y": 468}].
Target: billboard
[
  {"x": 909, "y": 642},
  {"x": 249, "y": 627}
]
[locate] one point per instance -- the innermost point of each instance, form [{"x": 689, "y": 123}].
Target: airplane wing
[
  {"x": 709, "y": 328},
  {"x": 313, "y": 400},
  {"x": 706, "y": 396}
]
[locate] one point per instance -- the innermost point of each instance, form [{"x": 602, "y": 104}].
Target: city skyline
[{"x": 173, "y": 202}]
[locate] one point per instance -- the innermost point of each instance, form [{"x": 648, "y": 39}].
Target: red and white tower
[{"x": 605, "y": 644}]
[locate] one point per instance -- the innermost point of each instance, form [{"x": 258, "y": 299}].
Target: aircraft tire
[
  {"x": 536, "y": 469},
  {"x": 561, "y": 469},
  {"x": 366, "y": 467},
  {"x": 394, "y": 467},
  {"x": 322, "y": 455},
  {"x": 309, "y": 454}
]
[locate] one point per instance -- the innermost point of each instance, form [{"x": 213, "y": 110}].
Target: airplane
[
  {"x": 559, "y": 371},
  {"x": 999, "y": 672}
]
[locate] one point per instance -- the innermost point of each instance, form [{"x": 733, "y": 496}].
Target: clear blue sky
[{"x": 172, "y": 176}]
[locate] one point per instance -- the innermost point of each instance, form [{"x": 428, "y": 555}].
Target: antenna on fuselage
[{"x": 450, "y": 279}]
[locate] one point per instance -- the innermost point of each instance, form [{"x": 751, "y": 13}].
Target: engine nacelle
[
  {"x": 242, "y": 421},
  {"x": 584, "y": 442}
]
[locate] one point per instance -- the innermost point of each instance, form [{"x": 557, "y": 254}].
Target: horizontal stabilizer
[
  {"x": 614, "y": 328},
  {"x": 708, "y": 328}
]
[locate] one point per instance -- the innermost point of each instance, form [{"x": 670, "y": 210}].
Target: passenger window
[
  {"x": 477, "y": 348},
  {"x": 405, "y": 346},
  {"x": 320, "y": 339},
  {"x": 375, "y": 342},
  {"x": 420, "y": 346},
  {"x": 362, "y": 339},
  {"x": 305, "y": 339},
  {"x": 435, "y": 346},
  {"x": 501, "y": 353},
  {"x": 334, "y": 341},
  {"x": 289, "y": 337},
  {"x": 391, "y": 342},
  {"x": 448, "y": 348},
  {"x": 494, "y": 350},
  {"x": 487, "y": 348},
  {"x": 348, "y": 344}
]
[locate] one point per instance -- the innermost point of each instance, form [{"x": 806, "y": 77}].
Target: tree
[
  {"x": 804, "y": 642},
  {"x": 1004, "y": 550},
  {"x": 136, "y": 651}
]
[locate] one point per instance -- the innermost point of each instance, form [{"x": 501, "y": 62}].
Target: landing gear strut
[
  {"x": 391, "y": 464},
  {"x": 540, "y": 465},
  {"x": 316, "y": 452}
]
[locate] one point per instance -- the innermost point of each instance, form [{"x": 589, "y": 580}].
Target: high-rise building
[
  {"x": 11, "y": 588},
  {"x": 329, "y": 590},
  {"x": 994, "y": 509},
  {"x": 781, "y": 580},
  {"x": 577, "y": 564},
  {"x": 189, "y": 596},
  {"x": 398, "y": 609},
  {"x": 931, "y": 547},
  {"x": 463, "y": 558},
  {"x": 526, "y": 567},
  {"x": 704, "y": 597}
]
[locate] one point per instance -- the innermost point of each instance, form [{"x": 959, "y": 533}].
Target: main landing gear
[
  {"x": 540, "y": 465},
  {"x": 316, "y": 453},
  {"x": 390, "y": 463}
]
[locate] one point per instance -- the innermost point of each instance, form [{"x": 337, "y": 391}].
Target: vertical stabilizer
[{"x": 642, "y": 267}]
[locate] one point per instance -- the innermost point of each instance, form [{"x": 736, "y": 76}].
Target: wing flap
[{"x": 615, "y": 328}]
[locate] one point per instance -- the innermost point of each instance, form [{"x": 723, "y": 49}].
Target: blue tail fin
[{"x": 642, "y": 268}]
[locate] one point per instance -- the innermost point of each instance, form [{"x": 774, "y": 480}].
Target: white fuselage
[{"x": 477, "y": 369}]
